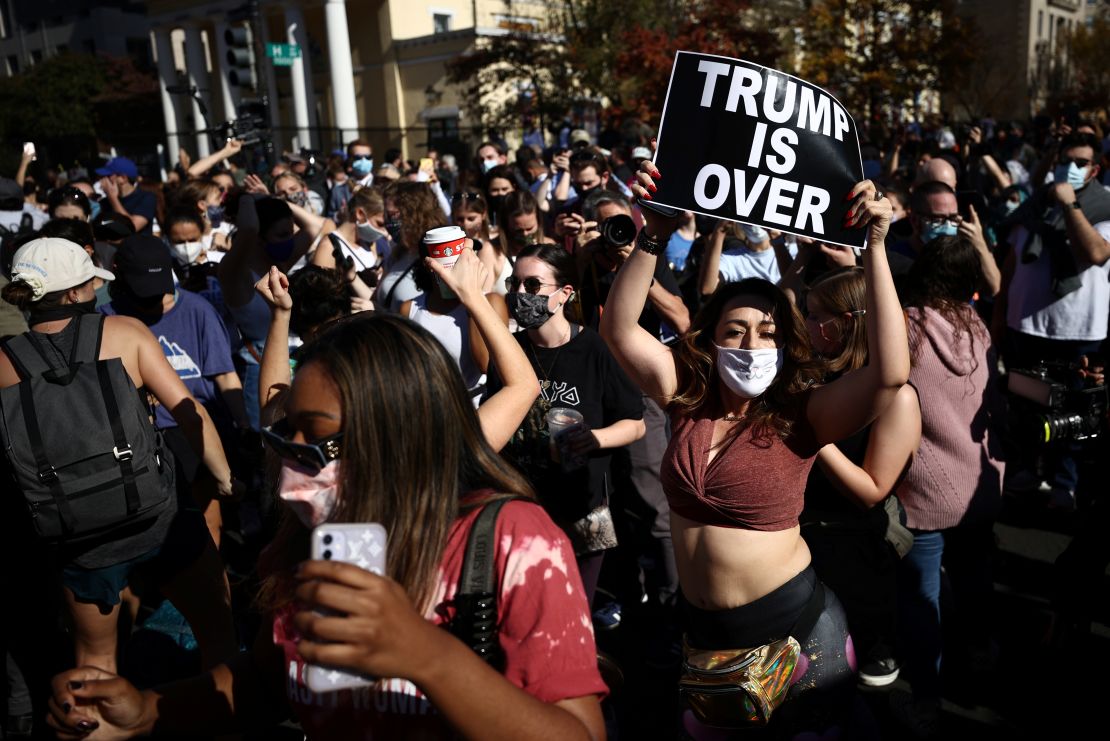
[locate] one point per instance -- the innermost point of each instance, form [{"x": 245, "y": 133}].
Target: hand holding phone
[
  {"x": 359, "y": 544},
  {"x": 29, "y": 150}
]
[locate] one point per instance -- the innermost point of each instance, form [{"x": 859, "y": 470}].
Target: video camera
[
  {"x": 249, "y": 129},
  {"x": 1047, "y": 410}
]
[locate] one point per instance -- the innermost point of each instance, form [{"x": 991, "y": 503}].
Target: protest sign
[{"x": 746, "y": 143}]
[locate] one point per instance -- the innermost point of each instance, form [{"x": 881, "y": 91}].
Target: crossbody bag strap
[
  {"x": 393, "y": 288},
  {"x": 476, "y": 599}
]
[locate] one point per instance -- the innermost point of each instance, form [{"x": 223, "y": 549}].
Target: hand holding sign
[{"x": 746, "y": 143}]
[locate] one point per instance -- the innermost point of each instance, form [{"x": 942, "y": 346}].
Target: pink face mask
[{"x": 313, "y": 495}]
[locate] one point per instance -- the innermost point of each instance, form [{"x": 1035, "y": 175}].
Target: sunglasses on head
[
  {"x": 1079, "y": 161},
  {"x": 531, "y": 285},
  {"x": 310, "y": 455},
  {"x": 583, "y": 155}
]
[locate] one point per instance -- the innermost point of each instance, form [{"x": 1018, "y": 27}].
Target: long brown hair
[
  {"x": 774, "y": 411},
  {"x": 945, "y": 277},
  {"x": 419, "y": 211},
  {"x": 844, "y": 292},
  {"x": 411, "y": 445}
]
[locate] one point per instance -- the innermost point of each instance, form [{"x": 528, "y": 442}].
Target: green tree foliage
[
  {"x": 1088, "y": 81},
  {"x": 877, "y": 55},
  {"x": 66, "y": 103}
]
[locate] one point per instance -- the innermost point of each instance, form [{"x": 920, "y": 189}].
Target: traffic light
[{"x": 240, "y": 56}]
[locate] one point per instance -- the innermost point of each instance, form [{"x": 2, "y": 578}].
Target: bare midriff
[{"x": 724, "y": 567}]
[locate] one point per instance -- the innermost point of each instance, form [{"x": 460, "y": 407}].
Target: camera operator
[
  {"x": 1057, "y": 294},
  {"x": 602, "y": 248}
]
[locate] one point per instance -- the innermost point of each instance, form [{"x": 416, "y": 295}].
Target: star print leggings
[{"x": 822, "y": 697}]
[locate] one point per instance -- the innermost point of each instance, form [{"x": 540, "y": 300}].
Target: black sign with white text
[{"x": 746, "y": 143}]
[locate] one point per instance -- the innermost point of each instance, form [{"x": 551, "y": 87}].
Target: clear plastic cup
[{"x": 561, "y": 424}]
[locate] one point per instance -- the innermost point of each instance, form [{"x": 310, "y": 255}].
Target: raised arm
[
  {"x": 646, "y": 360},
  {"x": 894, "y": 439},
  {"x": 837, "y": 410},
  {"x": 201, "y": 166},
  {"x": 1087, "y": 244},
  {"x": 274, "y": 375},
  {"x": 502, "y": 413},
  {"x": 234, "y": 271},
  {"x": 972, "y": 229},
  {"x": 162, "y": 380},
  {"x": 710, "y": 274}
]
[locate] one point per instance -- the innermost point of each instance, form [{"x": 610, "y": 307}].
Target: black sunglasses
[
  {"x": 1079, "y": 161},
  {"x": 465, "y": 197},
  {"x": 531, "y": 285},
  {"x": 310, "y": 455}
]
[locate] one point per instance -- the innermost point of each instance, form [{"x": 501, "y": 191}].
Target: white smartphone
[
  {"x": 29, "y": 149},
  {"x": 361, "y": 544}
]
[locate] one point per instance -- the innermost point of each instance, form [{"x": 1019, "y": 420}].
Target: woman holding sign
[{"x": 748, "y": 418}]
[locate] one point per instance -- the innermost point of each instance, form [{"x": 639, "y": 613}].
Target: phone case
[{"x": 360, "y": 544}]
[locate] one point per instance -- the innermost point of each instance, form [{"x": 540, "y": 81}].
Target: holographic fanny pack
[{"x": 734, "y": 688}]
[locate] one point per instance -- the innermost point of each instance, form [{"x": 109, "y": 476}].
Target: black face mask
[
  {"x": 495, "y": 203},
  {"x": 65, "y": 311},
  {"x": 394, "y": 226}
]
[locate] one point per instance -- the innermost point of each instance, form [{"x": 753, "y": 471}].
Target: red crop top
[{"x": 752, "y": 484}]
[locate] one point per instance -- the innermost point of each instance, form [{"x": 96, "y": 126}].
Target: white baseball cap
[{"x": 52, "y": 264}]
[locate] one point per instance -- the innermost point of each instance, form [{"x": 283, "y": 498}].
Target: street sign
[{"x": 283, "y": 54}]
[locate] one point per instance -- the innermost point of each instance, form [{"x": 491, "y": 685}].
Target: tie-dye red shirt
[{"x": 545, "y": 632}]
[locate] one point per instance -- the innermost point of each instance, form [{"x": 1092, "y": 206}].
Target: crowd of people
[{"x": 762, "y": 456}]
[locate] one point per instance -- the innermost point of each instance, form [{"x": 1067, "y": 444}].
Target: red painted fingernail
[
  {"x": 647, "y": 196},
  {"x": 658, "y": 176},
  {"x": 652, "y": 188}
]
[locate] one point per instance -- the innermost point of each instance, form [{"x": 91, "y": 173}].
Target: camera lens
[
  {"x": 618, "y": 230},
  {"x": 327, "y": 539},
  {"x": 327, "y": 555}
]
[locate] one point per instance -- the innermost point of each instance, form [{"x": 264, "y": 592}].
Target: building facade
[
  {"x": 1023, "y": 55},
  {"x": 370, "y": 69}
]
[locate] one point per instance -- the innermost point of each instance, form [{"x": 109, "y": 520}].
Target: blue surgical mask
[
  {"x": 362, "y": 166},
  {"x": 489, "y": 164},
  {"x": 1011, "y": 206},
  {"x": 95, "y": 210},
  {"x": 931, "y": 230},
  {"x": 1072, "y": 174},
  {"x": 215, "y": 215}
]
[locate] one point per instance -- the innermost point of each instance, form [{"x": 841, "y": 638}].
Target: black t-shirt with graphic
[{"x": 580, "y": 375}]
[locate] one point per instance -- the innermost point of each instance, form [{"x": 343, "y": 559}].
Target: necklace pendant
[{"x": 545, "y": 385}]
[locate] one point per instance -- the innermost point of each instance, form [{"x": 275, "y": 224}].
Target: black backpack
[{"x": 79, "y": 439}]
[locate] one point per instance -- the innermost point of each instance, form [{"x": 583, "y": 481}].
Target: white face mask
[
  {"x": 748, "y": 373},
  {"x": 489, "y": 164},
  {"x": 312, "y": 495},
  {"x": 187, "y": 253}
]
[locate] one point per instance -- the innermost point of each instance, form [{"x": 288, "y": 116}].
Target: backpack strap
[
  {"x": 122, "y": 449},
  {"x": 27, "y": 358},
  {"x": 46, "y": 472},
  {"x": 90, "y": 333},
  {"x": 475, "y": 620}
]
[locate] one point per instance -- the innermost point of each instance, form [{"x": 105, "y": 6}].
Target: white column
[
  {"x": 300, "y": 75},
  {"x": 198, "y": 77},
  {"x": 342, "y": 72},
  {"x": 229, "y": 94},
  {"x": 167, "y": 75}
]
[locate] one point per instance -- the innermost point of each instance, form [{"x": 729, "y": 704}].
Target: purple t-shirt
[{"x": 195, "y": 342}]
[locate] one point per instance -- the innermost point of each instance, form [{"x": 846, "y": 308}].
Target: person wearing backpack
[
  {"x": 98, "y": 486},
  {"x": 379, "y": 427}
]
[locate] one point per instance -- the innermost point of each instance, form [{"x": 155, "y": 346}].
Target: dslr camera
[
  {"x": 1047, "y": 409},
  {"x": 618, "y": 231}
]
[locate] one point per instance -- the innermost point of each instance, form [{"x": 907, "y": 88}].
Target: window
[
  {"x": 441, "y": 22},
  {"x": 1040, "y": 24},
  {"x": 443, "y": 131}
]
